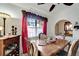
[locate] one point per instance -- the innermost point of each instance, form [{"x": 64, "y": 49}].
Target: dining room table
[{"x": 52, "y": 48}]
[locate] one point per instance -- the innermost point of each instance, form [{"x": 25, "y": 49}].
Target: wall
[
  {"x": 56, "y": 28},
  {"x": 60, "y": 29},
  {"x": 8, "y": 25},
  {"x": 63, "y": 12}
]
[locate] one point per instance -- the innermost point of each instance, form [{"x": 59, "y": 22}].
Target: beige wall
[
  {"x": 57, "y": 28},
  {"x": 61, "y": 27},
  {"x": 10, "y": 22}
]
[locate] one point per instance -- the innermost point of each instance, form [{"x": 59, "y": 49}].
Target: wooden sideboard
[{"x": 9, "y": 45}]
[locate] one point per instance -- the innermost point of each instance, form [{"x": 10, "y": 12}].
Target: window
[{"x": 34, "y": 27}]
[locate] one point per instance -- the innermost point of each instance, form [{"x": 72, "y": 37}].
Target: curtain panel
[
  {"x": 45, "y": 27},
  {"x": 24, "y": 32}
]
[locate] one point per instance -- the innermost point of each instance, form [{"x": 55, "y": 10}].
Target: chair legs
[
  {"x": 62, "y": 53},
  {"x": 39, "y": 53}
]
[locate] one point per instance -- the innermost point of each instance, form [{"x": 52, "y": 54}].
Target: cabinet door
[{"x": 1, "y": 48}]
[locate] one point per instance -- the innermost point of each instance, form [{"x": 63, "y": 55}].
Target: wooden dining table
[{"x": 53, "y": 48}]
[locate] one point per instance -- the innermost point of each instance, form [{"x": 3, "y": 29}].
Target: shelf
[
  {"x": 9, "y": 46},
  {"x": 10, "y": 49}
]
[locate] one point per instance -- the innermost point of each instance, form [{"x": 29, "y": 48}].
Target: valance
[{"x": 30, "y": 14}]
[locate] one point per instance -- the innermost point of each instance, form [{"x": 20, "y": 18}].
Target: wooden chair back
[
  {"x": 73, "y": 48},
  {"x": 33, "y": 51}
]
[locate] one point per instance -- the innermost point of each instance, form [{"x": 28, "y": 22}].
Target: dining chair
[
  {"x": 33, "y": 50},
  {"x": 42, "y": 36},
  {"x": 72, "y": 50}
]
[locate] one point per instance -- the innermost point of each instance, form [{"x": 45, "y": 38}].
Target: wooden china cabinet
[
  {"x": 9, "y": 45},
  {"x": 68, "y": 29}
]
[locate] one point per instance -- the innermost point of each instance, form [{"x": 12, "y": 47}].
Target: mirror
[
  {"x": 11, "y": 25},
  {"x": 3, "y": 17}
]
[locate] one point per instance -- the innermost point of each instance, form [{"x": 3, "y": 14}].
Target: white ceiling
[
  {"x": 39, "y": 9},
  {"x": 43, "y": 9}
]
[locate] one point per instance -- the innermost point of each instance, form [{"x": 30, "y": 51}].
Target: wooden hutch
[{"x": 9, "y": 45}]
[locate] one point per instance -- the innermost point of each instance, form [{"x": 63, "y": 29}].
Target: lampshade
[
  {"x": 4, "y": 15},
  {"x": 1, "y": 28}
]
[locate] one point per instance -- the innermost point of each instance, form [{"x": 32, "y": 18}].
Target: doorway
[{"x": 64, "y": 27}]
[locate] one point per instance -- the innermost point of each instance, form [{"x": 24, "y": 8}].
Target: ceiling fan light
[
  {"x": 68, "y": 4},
  {"x": 52, "y": 7},
  {"x": 40, "y": 3}
]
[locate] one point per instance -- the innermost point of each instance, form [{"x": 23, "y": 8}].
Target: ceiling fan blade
[
  {"x": 51, "y": 8},
  {"x": 40, "y": 3},
  {"x": 68, "y": 4}
]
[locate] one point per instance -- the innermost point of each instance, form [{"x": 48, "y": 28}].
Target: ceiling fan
[{"x": 53, "y": 6}]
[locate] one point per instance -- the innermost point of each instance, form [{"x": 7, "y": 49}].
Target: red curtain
[
  {"x": 24, "y": 33},
  {"x": 45, "y": 27}
]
